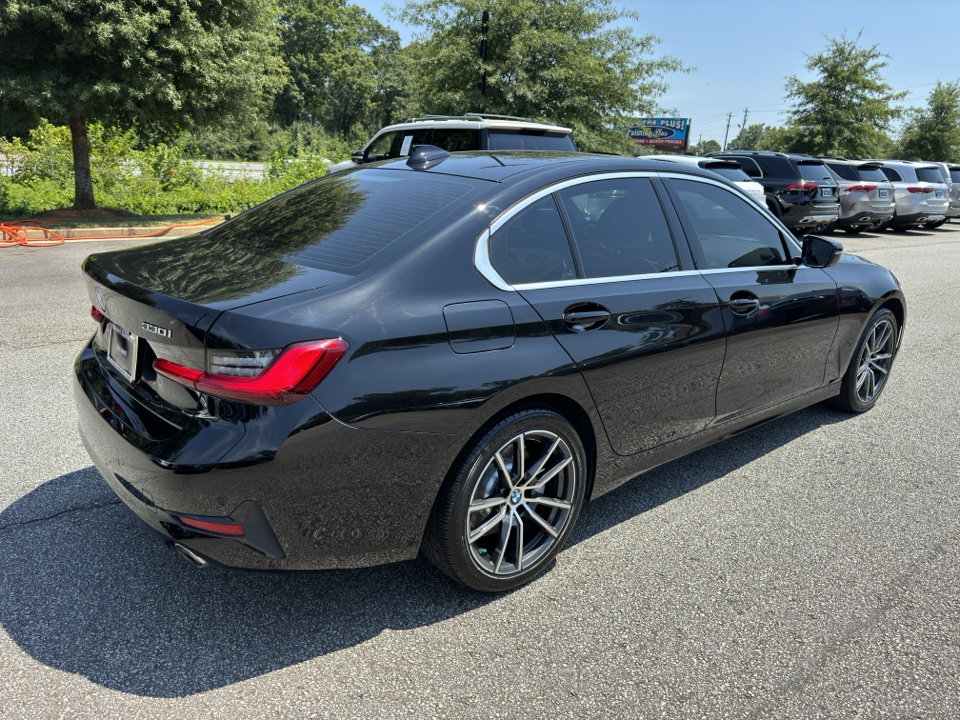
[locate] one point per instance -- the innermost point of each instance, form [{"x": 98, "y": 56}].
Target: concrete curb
[{"x": 111, "y": 233}]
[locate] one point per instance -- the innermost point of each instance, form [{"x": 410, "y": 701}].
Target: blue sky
[{"x": 743, "y": 49}]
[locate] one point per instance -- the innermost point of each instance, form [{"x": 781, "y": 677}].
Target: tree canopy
[
  {"x": 172, "y": 63},
  {"x": 562, "y": 60},
  {"x": 849, "y": 107},
  {"x": 933, "y": 132}
]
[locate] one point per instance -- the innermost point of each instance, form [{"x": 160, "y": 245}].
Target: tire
[
  {"x": 853, "y": 230},
  {"x": 831, "y": 227},
  {"x": 483, "y": 514},
  {"x": 934, "y": 225},
  {"x": 881, "y": 227},
  {"x": 875, "y": 372}
]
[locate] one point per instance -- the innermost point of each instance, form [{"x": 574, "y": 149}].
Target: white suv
[{"x": 453, "y": 133}]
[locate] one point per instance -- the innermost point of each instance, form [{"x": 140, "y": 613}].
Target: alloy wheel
[
  {"x": 521, "y": 503},
  {"x": 875, "y": 360}
]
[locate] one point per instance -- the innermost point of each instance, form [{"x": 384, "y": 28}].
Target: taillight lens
[
  {"x": 802, "y": 186},
  {"x": 95, "y": 314},
  {"x": 919, "y": 190},
  {"x": 862, "y": 188},
  {"x": 261, "y": 377}
]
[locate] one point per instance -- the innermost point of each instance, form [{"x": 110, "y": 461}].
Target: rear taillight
[
  {"x": 919, "y": 190},
  {"x": 861, "y": 188},
  {"x": 262, "y": 377},
  {"x": 802, "y": 186},
  {"x": 95, "y": 314}
]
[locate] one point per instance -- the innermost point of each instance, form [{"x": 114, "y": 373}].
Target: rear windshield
[
  {"x": 955, "y": 175},
  {"x": 843, "y": 171},
  {"x": 892, "y": 175},
  {"x": 930, "y": 175},
  {"x": 871, "y": 174},
  {"x": 815, "y": 172},
  {"x": 529, "y": 140},
  {"x": 776, "y": 167},
  {"x": 731, "y": 173},
  {"x": 348, "y": 222}
]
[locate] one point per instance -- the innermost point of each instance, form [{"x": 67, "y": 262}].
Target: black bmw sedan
[{"x": 454, "y": 352}]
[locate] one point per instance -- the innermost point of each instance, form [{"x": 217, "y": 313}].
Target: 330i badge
[{"x": 454, "y": 353}]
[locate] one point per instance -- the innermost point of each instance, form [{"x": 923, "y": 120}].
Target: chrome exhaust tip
[{"x": 188, "y": 554}]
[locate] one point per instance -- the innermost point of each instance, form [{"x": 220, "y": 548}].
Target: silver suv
[
  {"x": 866, "y": 196},
  {"x": 951, "y": 176},
  {"x": 454, "y": 133},
  {"x": 919, "y": 191}
]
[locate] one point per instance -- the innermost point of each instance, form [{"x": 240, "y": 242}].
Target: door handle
[
  {"x": 582, "y": 320},
  {"x": 745, "y": 303}
]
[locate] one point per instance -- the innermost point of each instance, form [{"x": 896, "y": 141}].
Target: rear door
[
  {"x": 642, "y": 325},
  {"x": 781, "y": 319}
]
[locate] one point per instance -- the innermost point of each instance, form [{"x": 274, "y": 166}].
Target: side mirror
[
  {"x": 820, "y": 252},
  {"x": 357, "y": 156}
]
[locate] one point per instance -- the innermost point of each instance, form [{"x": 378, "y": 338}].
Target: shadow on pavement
[{"x": 92, "y": 592}]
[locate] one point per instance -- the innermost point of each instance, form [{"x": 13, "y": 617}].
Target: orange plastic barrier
[{"x": 14, "y": 234}]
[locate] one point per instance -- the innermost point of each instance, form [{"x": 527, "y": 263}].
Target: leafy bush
[{"x": 158, "y": 179}]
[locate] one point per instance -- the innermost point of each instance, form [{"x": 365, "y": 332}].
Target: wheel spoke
[
  {"x": 552, "y": 502},
  {"x": 535, "y": 470},
  {"x": 520, "y": 457},
  {"x": 549, "y": 475},
  {"x": 519, "y": 544},
  {"x": 885, "y": 334},
  {"x": 487, "y": 525},
  {"x": 547, "y": 527},
  {"x": 487, "y": 504},
  {"x": 503, "y": 469},
  {"x": 882, "y": 356},
  {"x": 503, "y": 542},
  {"x": 862, "y": 376},
  {"x": 876, "y": 366}
]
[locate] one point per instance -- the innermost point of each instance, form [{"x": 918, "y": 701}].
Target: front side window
[
  {"x": 532, "y": 246},
  {"x": 619, "y": 228},
  {"x": 380, "y": 148},
  {"x": 730, "y": 232}
]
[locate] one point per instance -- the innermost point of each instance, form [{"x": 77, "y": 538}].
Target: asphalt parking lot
[{"x": 807, "y": 568}]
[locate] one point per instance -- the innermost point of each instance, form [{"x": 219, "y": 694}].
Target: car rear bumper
[
  {"x": 806, "y": 216},
  {"x": 323, "y": 498},
  {"x": 918, "y": 218}
]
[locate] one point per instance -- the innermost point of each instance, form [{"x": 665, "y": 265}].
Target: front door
[{"x": 781, "y": 318}]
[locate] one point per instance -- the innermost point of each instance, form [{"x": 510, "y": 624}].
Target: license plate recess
[{"x": 122, "y": 351}]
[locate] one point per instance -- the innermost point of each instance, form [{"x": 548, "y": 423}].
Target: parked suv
[
  {"x": 866, "y": 196},
  {"x": 727, "y": 168},
  {"x": 920, "y": 192},
  {"x": 951, "y": 176},
  {"x": 798, "y": 188},
  {"x": 454, "y": 133}
]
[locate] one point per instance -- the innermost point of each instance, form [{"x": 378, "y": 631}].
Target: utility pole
[
  {"x": 743, "y": 128},
  {"x": 700, "y": 145},
  {"x": 729, "y": 116},
  {"x": 759, "y": 139},
  {"x": 484, "y": 26}
]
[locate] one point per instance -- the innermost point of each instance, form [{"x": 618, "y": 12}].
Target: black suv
[{"x": 798, "y": 188}]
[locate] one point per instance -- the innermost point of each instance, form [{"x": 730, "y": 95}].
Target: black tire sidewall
[{"x": 466, "y": 570}]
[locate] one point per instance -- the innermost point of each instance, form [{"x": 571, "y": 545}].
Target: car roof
[
  {"x": 910, "y": 163},
  {"x": 477, "y": 121},
  {"x": 497, "y": 166}
]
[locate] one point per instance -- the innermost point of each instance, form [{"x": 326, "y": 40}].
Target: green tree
[
  {"x": 748, "y": 138},
  {"x": 707, "y": 146},
  {"x": 335, "y": 53},
  {"x": 933, "y": 132},
  {"x": 563, "y": 60},
  {"x": 139, "y": 62},
  {"x": 848, "y": 108}
]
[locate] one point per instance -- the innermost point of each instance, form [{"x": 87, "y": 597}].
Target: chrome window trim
[{"x": 481, "y": 253}]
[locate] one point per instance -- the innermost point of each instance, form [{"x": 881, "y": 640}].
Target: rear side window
[
  {"x": 731, "y": 233},
  {"x": 348, "y": 222},
  {"x": 871, "y": 174},
  {"x": 456, "y": 140},
  {"x": 815, "y": 172},
  {"x": 846, "y": 172},
  {"x": 892, "y": 175},
  {"x": 619, "y": 228},
  {"x": 777, "y": 167},
  {"x": 529, "y": 140},
  {"x": 930, "y": 175},
  {"x": 532, "y": 246},
  {"x": 730, "y": 173}
]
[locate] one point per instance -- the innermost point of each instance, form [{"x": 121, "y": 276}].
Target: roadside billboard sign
[{"x": 661, "y": 133}]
